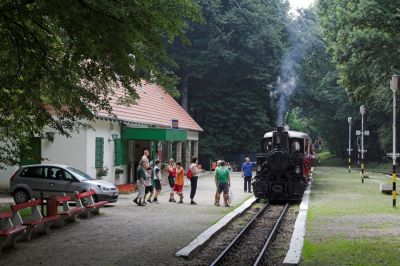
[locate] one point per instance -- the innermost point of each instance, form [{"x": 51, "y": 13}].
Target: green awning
[{"x": 154, "y": 134}]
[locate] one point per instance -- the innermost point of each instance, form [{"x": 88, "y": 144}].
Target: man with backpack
[{"x": 193, "y": 175}]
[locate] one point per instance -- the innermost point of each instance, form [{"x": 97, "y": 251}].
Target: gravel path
[{"x": 125, "y": 234}]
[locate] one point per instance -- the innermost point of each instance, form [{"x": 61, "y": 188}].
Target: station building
[{"x": 112, "y": 149}]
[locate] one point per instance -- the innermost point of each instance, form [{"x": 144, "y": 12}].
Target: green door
[{"x": 34, "y": 154}]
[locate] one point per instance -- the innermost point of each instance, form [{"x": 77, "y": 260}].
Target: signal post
[
  {"x": 349, "y": 149},
  {"x": 362, "y": 133},
  {"x": 394, "y": 155}
]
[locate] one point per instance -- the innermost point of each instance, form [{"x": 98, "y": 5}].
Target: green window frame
[
  {"x": 120, "y": 152},
  {"x": 99, "y": 152},
  {"x": 33, "y": 155}
]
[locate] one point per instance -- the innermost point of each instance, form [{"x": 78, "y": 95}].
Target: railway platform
[{"x": 125, "y": 234}]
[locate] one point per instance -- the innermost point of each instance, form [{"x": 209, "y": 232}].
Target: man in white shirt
[{"x": 146, "y": 158}]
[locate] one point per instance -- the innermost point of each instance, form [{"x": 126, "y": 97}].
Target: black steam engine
[{"x": 283, "y": 167}]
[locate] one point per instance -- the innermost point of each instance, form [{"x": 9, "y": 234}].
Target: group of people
[
  {"x": 176, "y": 180},
  {"x": 148, "y": 178}
]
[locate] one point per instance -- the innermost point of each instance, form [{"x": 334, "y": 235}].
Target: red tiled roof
[{"x": 154, "y": 107}]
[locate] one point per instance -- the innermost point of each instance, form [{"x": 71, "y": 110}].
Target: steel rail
[
  {"x": 236, "y": 239},
  {"x": 271, "y": 235}
]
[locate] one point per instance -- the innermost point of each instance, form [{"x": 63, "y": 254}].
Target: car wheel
[{"x": 21, "y": 195}]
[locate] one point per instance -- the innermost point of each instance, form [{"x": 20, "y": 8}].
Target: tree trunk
[{"x": 185, "y": 93}]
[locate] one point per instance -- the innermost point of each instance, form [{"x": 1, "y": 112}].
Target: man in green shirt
[
  {"x": 141, "y": 176},
  {"x": 223, "y": 182}
]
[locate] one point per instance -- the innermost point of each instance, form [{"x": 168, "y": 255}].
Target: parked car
[{"x": 54, "y": 179}]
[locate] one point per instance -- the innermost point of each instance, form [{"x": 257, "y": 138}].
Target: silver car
[{"x": 54, "y": 179}]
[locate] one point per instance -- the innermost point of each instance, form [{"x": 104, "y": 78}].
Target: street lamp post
[
  {"x": 358, "y": 150},
  {"x": 349, "y": 149},
  {"x": 394, "y": 85}
]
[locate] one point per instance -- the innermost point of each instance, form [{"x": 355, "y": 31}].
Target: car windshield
[{"x": 81, "y": 174}]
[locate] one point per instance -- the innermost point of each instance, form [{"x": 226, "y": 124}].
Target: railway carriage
[{"x": 283, "y": 166}]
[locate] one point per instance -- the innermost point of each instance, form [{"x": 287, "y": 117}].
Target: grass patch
[
  {"x": 352, "y": 252},
  {"x": 350, "y": 223},
  {"x": 24, "y": 212},
  {"x": 328, "y": 159},
  {"x": 380, "y": 167}
]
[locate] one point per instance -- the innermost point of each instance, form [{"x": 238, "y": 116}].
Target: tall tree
[
  {"x": 362, "y": 37},
  {"x": 321, "y": 106},
  {"x": 226, "y": 70},
  {"x": 70, "y": 54}
]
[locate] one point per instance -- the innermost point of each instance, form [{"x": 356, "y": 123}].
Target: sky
[{"x": 300, "y": 3}]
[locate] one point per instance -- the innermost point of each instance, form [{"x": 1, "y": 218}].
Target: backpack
[{"x": 189, "y": 173}]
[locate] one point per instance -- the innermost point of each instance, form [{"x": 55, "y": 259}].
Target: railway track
[{"x": 250, "y": 245}]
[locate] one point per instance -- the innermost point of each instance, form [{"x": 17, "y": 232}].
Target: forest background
[{"x": 240, "y": 68}]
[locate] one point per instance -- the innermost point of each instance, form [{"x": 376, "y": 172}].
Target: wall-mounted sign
[{"x": 175, "y": 123}]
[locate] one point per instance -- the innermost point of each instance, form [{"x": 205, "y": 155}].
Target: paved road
[{"x": 126, "y": 234}]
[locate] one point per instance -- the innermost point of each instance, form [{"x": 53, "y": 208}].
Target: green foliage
[
  {"x": 67, "y": 56},
  {"x": 320, "y": 105},
  {"x": 362, "y": 37},
  {"x": 233, "y": 56}
]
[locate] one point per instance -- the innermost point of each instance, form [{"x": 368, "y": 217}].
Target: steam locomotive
[{"x": 284, "y": 165}]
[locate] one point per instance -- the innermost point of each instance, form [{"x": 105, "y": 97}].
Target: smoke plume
[
  {"x": 301, "y": 38},
  {"x": 286, "y": 83}
]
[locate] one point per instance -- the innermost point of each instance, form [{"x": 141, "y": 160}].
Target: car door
[
  {"x": 61, "y": 181},
  {"x": 35, "y": 178}
]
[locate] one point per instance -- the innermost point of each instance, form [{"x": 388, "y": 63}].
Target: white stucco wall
[
  {"x": 63, "y": 150},
  {"x": 192, "y": 135},
  {"x": 5, "y": 175},
  {"x": 104, "y": 129},
  {"x": 78, "y": 151}
]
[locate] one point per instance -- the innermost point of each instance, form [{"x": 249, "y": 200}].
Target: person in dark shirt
[
  {"x": 247, "y": 168},
  {"x": 157, "y": 180},
  {"x": 141, "y": 177}
]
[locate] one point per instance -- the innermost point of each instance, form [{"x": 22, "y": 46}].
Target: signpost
[{"x": 175, "y": 123}]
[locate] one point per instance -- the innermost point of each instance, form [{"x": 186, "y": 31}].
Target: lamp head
[
  {"x": 362, "y": 109},
  {"x": 394, "y": 82},
  {"x": 349, "y": 119}
]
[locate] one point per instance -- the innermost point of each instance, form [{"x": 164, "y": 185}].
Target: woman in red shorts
[
  {"x": 179, "y": 181},
  {"x": 171, "y": 179}
]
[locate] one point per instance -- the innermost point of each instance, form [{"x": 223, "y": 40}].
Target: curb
[
  {"x": 293, "y": 255},
  {"x": 193, "y": 247}
]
